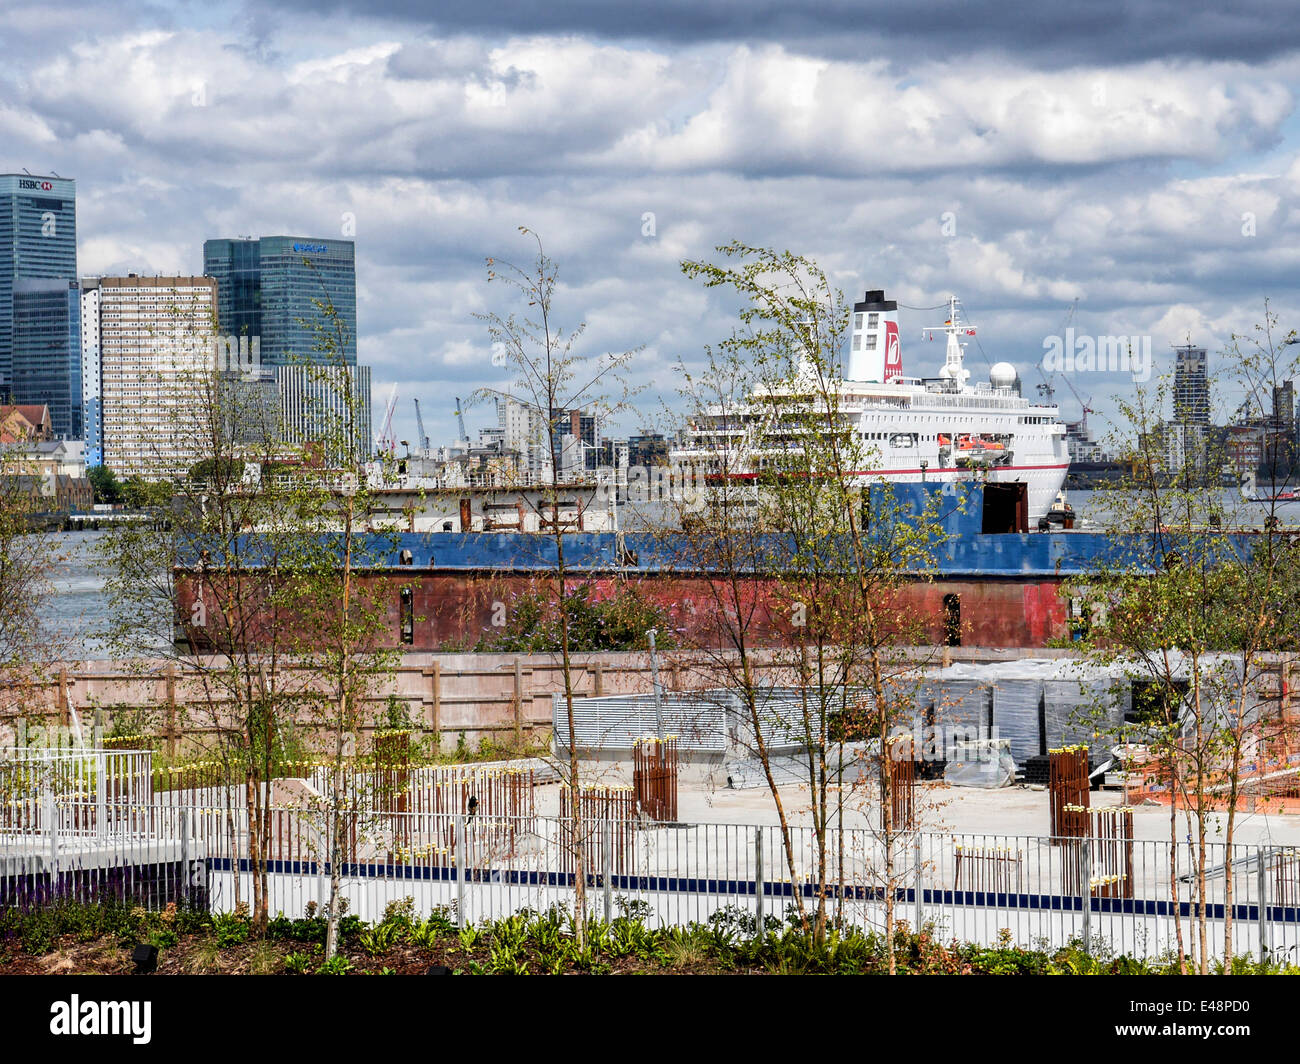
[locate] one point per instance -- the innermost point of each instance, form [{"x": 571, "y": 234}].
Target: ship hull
[{"x": 1044, "y": 482}]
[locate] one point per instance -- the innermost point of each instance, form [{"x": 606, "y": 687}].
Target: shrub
[{"x": 230, "y": 929}]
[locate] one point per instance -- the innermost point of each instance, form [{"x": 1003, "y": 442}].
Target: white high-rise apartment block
[
  {"x": 523, "y": 430},
  {"x": 91, "y": 406},
  {"x": 155, "y": 348}
]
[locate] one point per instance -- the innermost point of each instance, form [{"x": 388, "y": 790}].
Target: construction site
[{"x": 994, "y": 807}]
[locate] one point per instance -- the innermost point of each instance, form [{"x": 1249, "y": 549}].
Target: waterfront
[{"x": 78, "y": 608}]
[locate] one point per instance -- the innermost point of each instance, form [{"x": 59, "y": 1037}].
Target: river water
[{"x": 78, "y": 609}]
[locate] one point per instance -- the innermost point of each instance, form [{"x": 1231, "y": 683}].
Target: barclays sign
[{"x": 318, "y": 249}]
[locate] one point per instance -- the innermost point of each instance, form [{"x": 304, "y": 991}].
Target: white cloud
[{"x": 1124, "y": 186}]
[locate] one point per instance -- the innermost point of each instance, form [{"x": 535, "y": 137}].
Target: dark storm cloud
[{"x": 1111, "y": 31}]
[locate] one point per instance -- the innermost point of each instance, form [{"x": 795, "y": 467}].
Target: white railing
[
  {"x": 1042, "y": 892},
  {"x": 91, "y": 790}
]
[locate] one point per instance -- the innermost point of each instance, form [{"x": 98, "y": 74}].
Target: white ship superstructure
[{"x": 910, "y": 429}]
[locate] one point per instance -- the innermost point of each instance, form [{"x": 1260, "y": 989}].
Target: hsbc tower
[{"x": 38, "y": 247}]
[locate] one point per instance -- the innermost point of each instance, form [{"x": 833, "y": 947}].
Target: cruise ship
[{"x": 910, "y": 428}]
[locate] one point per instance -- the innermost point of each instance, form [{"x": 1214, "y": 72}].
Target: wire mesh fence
[{"x": 1042, "y": 892}]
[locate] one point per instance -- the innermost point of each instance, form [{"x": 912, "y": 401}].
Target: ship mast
[{"x": 953, "y": 367}]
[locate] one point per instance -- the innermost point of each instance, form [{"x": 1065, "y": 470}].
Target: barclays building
[{"x": 275, "y": 287}]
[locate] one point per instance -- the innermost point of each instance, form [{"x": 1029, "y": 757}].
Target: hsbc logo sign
[{"x": 30, "y": 184}]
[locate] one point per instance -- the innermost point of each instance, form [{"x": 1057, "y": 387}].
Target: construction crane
[
  {"x": 461, "y": 419},
  {"x": 1046, "y": 388},
  {"x": 384, "y": 440},
  {"x": 419, "y": 424}
]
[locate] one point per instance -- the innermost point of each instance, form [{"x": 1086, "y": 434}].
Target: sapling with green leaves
[
  {"x": 1193, "y": 602},
  {"x": 793, "y": 531},
  {"x": 553, "y": 374}
]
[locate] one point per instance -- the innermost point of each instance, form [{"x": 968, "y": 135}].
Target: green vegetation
[
  {"x": 618, "y": 621},
  {"x": 106, "y": 486},
  {"x": 135, "y": 493},
  {"x": 225, "y": 470},
  {"x": 73, "y": 937}
]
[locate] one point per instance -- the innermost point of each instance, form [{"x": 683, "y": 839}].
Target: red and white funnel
[{"x": 874, "y": 352}]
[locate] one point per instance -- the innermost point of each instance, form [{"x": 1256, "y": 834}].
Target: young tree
[
  {"x": 28, "y": 556},
  {"x": 331, "y": 580},
  {"x": 1191, "y": 603},
  {"x": 844, "y": 551},
  {"x": 553, "y": 375},
  {"x": 182, "y": 595}
]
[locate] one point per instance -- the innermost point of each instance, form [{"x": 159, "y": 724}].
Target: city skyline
[
  {"x": 1019, "y": 167},
  {"x": 301, "y": 271}
]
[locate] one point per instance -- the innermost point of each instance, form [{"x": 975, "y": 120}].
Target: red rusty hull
[{"x": 456, "y": 610}]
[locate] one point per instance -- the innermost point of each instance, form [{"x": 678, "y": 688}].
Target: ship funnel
[{"x": 874, "y": 353}]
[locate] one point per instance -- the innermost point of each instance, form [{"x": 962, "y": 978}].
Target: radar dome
[{"x": 1004, "y": 375}]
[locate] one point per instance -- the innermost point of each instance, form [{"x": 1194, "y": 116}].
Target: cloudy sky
[{"x": 1142, "y": 158}]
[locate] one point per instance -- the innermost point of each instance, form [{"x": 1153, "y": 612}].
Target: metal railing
[
  {"x": 1041, "y": 891},
  {"x": 88, "y": 791}
]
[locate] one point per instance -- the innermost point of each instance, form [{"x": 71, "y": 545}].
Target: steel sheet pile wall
[
  {"x": 1016, "y": 707},
  {"x": 698, "y": 719},
  {"x": 788, "y": 718},
  {"x": 710, "y": 722},
  {"x": 1075, "y": 709},
  {"x": 1036, "y": 703}
]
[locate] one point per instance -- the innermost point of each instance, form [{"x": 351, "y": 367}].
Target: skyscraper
[
  {"x": 271, "y": 290},
  {"x": 91, "y": 402},
  {"x": 38, "y": 242},
  {"x": 1191, "y": 386},
  {"x": 47, "y": 350},
  {"x": 268, "y": 288},
  {"x": 1283, "y": 419}
]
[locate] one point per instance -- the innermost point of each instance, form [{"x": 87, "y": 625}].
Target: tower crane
[
  {"x": 1049, "y": 391},
  {"x": 461, "y": 420}
]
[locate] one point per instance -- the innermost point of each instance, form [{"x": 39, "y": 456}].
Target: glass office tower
[
  {"x": 38, "y": 242},
  {"x": 47, "y": 351},
  {"x": 270, "y": 288}
]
